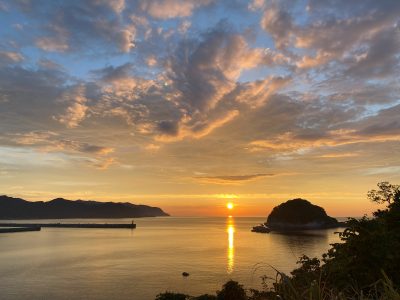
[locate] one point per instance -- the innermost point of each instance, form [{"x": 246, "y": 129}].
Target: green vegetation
[
  {"x": 230, "y": 291},
  {"x": 366, "y": 265}
]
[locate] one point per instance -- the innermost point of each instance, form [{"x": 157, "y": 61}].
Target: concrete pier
[
  {"x": 69, "y": 225},
  {"x": 19, "y": 229}
]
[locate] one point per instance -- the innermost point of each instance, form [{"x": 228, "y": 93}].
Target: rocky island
[
  {"x": 297, "y": 214},
  {"x": 16, "y": 208}
]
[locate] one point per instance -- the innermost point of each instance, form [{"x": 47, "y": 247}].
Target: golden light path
[{"x": 231, "y": 249}]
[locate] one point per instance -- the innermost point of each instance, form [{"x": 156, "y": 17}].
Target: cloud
[
  {"x": 289, "y": 142},
  {"x": 134, "y": 77},
  {"x": 256, "y": 4},
  {"x": 117, "y": 6},
  {"x": 168, "y": 128},
  {"x": 125, "y": 39},
  {"x": 257, "y": 92},
  {"x": 3, "y": 6},
  {"x": 339, "y": 155},
  {"x": 72, "y": 25},
  {"x": 75, "y": 151},
  {"x": 77, "y": 107},
  {"x": 354, "y": 39},
  {"x": 10, "y": 57},
  {"x": 52, "y": 44},
  {"x": 231, "y": 179},
  {"x": 209, "y": 70},
  {"x": 57, "y": 41},
  {"x": 278, "y": 22},
  {"x": 152, "y": 147},
  {"x": 367, "y": 94},
  {"x": 31, "y": 98},
  {"x": 168, "y": 9},
  {"x": 381, "y": 57},
  {"x": 383, "y": 170},
  {"x": 385, "y": 122},
  {"x": 49, "y": 141},
  {"x": 50, "y": 65},
  {"x": 151, "y": 61},
  {"x": 195, "y": 95},
  {"x": 202, "y": 81},
  {"x": 102, "y": 164},
  {"x": 184, "y": 26},
  {"x": 34, "y": 137},
  {"x": 80, "y": 147},
  {"x": 319, "y": 59},
  {"x": 204, "y": 128},
  {"x": 170, "y": 132},
  {"x": 113, "y": 74}
]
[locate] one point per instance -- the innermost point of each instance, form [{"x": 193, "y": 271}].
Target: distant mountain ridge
[{"x": 59, "y": 208}]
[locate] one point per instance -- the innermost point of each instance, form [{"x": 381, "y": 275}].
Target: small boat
[{"x": 262, "y": 228}]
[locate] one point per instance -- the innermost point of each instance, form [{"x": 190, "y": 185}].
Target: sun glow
[
  {"x": 227, "y": 196},
  {"x": 229, "y": 205}
]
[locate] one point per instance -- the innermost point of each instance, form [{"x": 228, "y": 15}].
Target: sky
[{"x": 189, "y": 104}]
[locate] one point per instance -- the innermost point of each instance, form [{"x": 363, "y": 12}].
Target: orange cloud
[
  {"x": 198, "y": 130},
  {"x": 49, "y": 141},
  {"x": 231, "y": 179},
  {"x": 257, "y": 92},
  {"x": 291, "y": 142},
  {"x": 168, "y": 9},
  {"x": 10, "y": 56},
  {"x": 77, "y": 109},
  {"x": 311, "y": 62},
  {"x": 339, "y": 155}
]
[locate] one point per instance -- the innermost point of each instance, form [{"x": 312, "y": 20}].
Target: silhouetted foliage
[
  {"x": 179, "y": 296},
  {"x": 205, "y": 297},
  {"x": 171, "y": 296},
  {"x": 232, "y": 290},
  {"x": 387, "y": 193}
]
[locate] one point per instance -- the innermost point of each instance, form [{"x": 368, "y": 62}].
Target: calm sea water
[{"x": 58, "y": 263}]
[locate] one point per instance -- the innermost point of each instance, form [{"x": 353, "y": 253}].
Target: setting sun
[{"x": 229, "y": 205}]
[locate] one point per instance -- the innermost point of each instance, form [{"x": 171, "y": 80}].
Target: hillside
[{"x": 16, "y": 208}]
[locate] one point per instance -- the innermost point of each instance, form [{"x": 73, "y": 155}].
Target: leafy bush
[
  {"x": 171, "y": 296},
  {"x": 232, "y": 290},
  {"x": 370, "y": 246}
]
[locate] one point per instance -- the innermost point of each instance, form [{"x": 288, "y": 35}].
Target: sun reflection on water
[{"x": 231, "y": 248}]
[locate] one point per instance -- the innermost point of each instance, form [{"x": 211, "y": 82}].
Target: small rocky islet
[{"x": 297, "y": 214}]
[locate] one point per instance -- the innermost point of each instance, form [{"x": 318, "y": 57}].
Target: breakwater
[
  {"x": 19, "y": 229},
  {"x": 69, "y": 225}
]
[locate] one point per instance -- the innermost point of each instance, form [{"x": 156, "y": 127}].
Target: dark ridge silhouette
[
  {"x": 300, "y": 214},
  {"x": 16, "y": 208}
]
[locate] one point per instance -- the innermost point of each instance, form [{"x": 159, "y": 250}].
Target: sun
[{"x": 229, "y": 205}]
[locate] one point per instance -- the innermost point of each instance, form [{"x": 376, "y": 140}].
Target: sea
[{"x": 79, "y": 263}]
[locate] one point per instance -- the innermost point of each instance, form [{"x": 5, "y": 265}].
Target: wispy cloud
[
  {"x": 339, "y": 155},
  {"x": 232, "y": 179}
]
